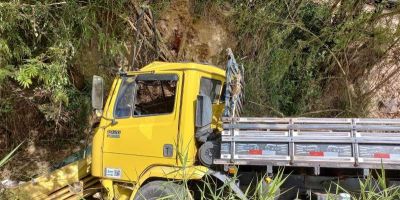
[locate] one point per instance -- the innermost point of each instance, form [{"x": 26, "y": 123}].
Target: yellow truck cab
[{"x": 148, "y": 125}]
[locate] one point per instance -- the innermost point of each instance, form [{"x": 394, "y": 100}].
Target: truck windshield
[
  {"x": 211, "y": 88},
  {"x": 146, "y": 94}
]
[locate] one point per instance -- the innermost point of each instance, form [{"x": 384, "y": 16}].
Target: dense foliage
[
  {"x": 48, "y": 52},
  {"x": 309, "y": 57}
]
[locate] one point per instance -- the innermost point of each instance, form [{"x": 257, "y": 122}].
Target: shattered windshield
[{"x": 146, "y": 94}]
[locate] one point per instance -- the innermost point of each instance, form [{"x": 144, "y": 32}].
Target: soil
[
  {"x": 385, "y": 102},
  {"x": 193, "y": 38}
]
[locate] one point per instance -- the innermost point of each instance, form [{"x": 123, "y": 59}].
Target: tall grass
[
  {"x": 9, "y": 155},
  {"x": 263, "y": 187},
  {"x": 3, "y": 161},
  {"x": 296, "y": 54},
  {"x": 373, "y": 188},
  {"x": 259, "y": 189}
]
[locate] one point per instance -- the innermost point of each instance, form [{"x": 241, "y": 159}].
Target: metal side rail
[{"x": 311, "y": 142}]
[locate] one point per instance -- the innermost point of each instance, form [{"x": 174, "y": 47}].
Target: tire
[
  {"x": 161, "y": 189},
  {"x": 207, "y": 152}
]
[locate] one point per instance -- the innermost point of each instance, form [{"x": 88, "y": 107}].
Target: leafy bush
[
  {"x": 307, "y": 57},
  {"x": 42, "y": 44}
]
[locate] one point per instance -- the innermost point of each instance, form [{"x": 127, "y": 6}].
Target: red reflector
[
  {"x": 316, "y": 153},
  {"x": 255, "y": 151},
  {"x": 381, "y": 155}
]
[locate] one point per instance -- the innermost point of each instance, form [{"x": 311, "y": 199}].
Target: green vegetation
[
  {"x": 373, "y": 187},
  {"x": 8, "y": 157},
  {"x": 41, "y": 41},
  {"x": 303, "y": 56},
  {"x": 210, "y": 189},
  {"x": 3, "y": 161},
  {"x": 45, "y": 70}
]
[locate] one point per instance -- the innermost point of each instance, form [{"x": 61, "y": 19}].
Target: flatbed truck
[{"x": 168, "y": 127}]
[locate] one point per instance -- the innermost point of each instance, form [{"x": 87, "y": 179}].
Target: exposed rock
[{"x": 194, "y": 39}]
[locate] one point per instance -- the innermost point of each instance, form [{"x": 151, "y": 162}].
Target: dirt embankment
[
  {"x": 195, "y": 37},
  {"x": 384, "y": 84}
]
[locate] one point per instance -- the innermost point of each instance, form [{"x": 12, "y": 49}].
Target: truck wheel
[
  {"x": 161, "y": 190},
  {"x": 207, "y": 152}
]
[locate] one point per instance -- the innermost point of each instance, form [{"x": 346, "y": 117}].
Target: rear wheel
[{"x": 161, "y": 189}]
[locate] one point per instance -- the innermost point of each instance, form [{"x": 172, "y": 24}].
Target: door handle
[{"x": 168, "y": 150}]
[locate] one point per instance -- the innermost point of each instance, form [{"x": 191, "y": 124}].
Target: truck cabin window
[
  {"x": 146, "y": 94},
  {"x": 211, "y": 88}
]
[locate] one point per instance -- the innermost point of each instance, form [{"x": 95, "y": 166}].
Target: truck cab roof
[{"x": 171, "y": 66}]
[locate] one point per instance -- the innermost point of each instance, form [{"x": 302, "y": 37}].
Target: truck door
[{"x": 146, "y": 113}]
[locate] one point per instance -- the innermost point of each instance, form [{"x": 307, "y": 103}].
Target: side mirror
[
  {"x": 203, "y": 111},
  {"x": 97, "y": 94}
]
